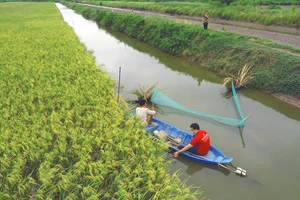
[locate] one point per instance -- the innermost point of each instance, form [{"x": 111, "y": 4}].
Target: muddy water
[{"x": 268, "y": 147}]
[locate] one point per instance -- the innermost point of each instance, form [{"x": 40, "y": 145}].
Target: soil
[{"x": 293, "y": 100}]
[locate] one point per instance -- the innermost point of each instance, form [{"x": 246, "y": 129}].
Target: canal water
[{"x": 268, "y": 147}]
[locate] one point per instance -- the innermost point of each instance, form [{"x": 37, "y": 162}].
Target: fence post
[{"x": 119, "y": 83}]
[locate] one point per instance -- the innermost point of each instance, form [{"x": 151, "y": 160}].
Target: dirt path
[
  {"x": 283, "y": 38},
  {"x": 280, "y": 34},
  {"x": 293, "y": 40}
]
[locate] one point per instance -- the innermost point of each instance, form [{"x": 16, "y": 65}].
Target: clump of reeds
[
  {"x": 242, "y": 79},
  {"x": 141, "y": 93}
]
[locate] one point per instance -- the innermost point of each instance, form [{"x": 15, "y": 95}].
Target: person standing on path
[{"x": 205, "y": 20}]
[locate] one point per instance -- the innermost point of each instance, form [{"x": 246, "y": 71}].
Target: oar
[{"x": 219, "y": 164}]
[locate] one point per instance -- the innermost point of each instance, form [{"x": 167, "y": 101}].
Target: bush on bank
[
  {"x": 63, "y": 133},
  {"x": 222, "y": 52}
]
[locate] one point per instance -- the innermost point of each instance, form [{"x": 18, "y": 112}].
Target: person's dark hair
[
  {"x": 142, "y": 102},
  {"x": 195, "y": 126}
]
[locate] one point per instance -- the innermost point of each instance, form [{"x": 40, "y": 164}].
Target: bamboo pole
[
  {"x": 119, "y": 83},
  {"x": 244, "y": 119}
]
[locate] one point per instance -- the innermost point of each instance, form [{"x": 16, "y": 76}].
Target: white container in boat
[{"x": 156, "y": 131}]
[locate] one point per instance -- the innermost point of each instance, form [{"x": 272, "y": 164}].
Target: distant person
[
  {"x": 205, "y": 20},
  {"x": 199, "y": 145},
  {"x": 145, "y": 114}
]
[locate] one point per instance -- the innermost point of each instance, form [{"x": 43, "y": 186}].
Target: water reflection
[
  {"x": 175, "y": 64},
  {"x": 270, "y": 101},
  {"x": 242, "y": 137},
  {"x": 194, "y": 167}
]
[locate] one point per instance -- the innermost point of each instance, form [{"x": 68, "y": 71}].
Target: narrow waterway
[{"x": 268, "y": 147}]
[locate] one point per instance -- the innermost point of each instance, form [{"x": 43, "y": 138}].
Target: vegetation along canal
[{"x": 268, "y": 146}]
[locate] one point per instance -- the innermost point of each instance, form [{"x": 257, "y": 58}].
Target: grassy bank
[
  {"x": 264, "y": 15},
  {"x": 221, "y": 52},
  {"x": 63, "y": 133}
]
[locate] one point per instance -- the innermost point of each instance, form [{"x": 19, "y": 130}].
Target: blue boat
[{"x": 214, "y": 156}]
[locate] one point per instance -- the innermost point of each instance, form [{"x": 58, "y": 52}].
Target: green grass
[{"x": 64, "y": 135}]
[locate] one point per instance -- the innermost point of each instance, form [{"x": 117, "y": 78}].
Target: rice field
[{"x": 63, "y": 134}]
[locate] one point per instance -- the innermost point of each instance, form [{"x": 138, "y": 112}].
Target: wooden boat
[{"x": 214, "y": 156}]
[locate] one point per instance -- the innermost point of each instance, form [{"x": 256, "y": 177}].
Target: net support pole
[
  {"x": 119, "y": 83},
  {"x": 244, "y": 120}
]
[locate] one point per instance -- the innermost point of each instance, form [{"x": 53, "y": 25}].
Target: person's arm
[
  {"x": 183, "y": 150},
  {"x": 151, "y": 112}
]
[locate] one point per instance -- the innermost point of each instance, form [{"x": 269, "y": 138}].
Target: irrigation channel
[{"x": 268, "y": 147}]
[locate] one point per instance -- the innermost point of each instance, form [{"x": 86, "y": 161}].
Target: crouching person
[{"x": 144, "y": 113}]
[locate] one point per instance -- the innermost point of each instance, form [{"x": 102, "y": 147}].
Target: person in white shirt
[{"x": 144, "y": 113}]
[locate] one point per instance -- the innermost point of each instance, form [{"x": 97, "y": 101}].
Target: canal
[{"x": 268, "y": 147}]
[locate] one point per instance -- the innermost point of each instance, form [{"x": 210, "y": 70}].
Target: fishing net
[
  {"x": 161, "y": 99},
  {"x": 237, "y": 106}
]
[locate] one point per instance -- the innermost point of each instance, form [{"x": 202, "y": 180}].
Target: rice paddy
[{"x": 63, "y": 133}]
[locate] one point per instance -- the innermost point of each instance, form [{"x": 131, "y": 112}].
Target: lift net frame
[{"x": 160, "y": 98}]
